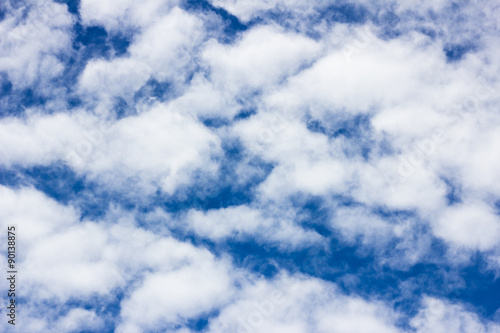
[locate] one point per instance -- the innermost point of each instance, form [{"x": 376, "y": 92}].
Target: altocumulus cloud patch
[{"x": 228, "y": 166}]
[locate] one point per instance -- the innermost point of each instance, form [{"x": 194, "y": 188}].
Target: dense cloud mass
[{"x": 237, "y": 166}]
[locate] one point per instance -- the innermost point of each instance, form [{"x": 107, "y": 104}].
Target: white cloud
[
  {"x": 305, "y": 161},
  {"x": 56, "y": 319},
  {"x": 122, "y": 14},
  {"x": 298, "y": 304},
  {"x": 404, "y": 85},
  {"x": 167, "y": 299},
  {"x": 259, "y": 59},
  {"x": 163, "y": 51},
  {"x": 264, "y": 224},
  {"x": 204, "y": 99},
  {"x": 44, "y": 217},
  {"x": 396, "y": 241},
  {"x": 160, "y": 146},
  {"x": 412, "y": 94},
  {"x": 262, "y": 57},
  {"x": 79, "y": 319},
  {"x": 356, "y": 221},
  {"x": 365, "y": 75},
  {"x": 438, "y": 316},
  {"x": 471, "y": 225},
  {"x": 32, "y": 42},
  {"x": 246, "y": 10},
  {"x": 168, "y": 45},
  {"x": 383, "y": 185},
  {"x": 119, "y": 77},
  {"x": 76, "y": 260}
]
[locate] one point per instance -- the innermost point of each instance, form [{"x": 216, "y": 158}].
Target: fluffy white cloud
[
  {"x": 118, "y": 14},
  {"x": 246, "y": 10},
  {"x": 298, "y": 304},
  {"x": 163, "y": 51},
  {"x": 358, "y": 225},
  {"x": 160, "y": 146},
  {"x": 262, "y": 57},
  {"x": 430, "y": 120},
  {"x": 361, "y": 73},
  {"x": 438, "y": 316},
  {"x": 119, "y": 77},
  {"x": 57, "y": 319},
  {"x": 471, "y": 225},
  {"x": 44, "y": 217},
  {"x": 305, "y": 161},
  {"x": 264, "y": 224},
  {"x": 33, "y": 37},
  {"x": 204, "y": 99},
  {"x": 167, "y": 299},
  {"x": 65, "y": 259},
  {"x": 259, "y": 59},
  {"x": 430, "y": 134},
  {"x": 78, "y": 319},
  {"x": 38, "y": 139}
]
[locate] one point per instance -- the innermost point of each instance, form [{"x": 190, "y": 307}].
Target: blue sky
[{"x": 252, "y": 166}]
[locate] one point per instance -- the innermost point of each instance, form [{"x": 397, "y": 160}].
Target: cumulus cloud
[
  {"x": 147, "y": 146},
  {"x": 118, "y": 15},
  {"x": 474, "y": 226},
  {"x": 166, "y": 299},
  {"x": 163, "y": 51},
  {"x": 35, "y": 36},
  {"x": 305, "y": 161},
  {"x": 263, "y": 56},
  {"x": 360, "y": 136},
  {"x": 297, "y": 304},
  {"x": 438, "y": 316},
  {"x": 61, "y": 265},
  {"x": 267, "y": 225}
]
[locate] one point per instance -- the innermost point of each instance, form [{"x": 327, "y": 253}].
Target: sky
[{"x": 264, "y": 166}]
